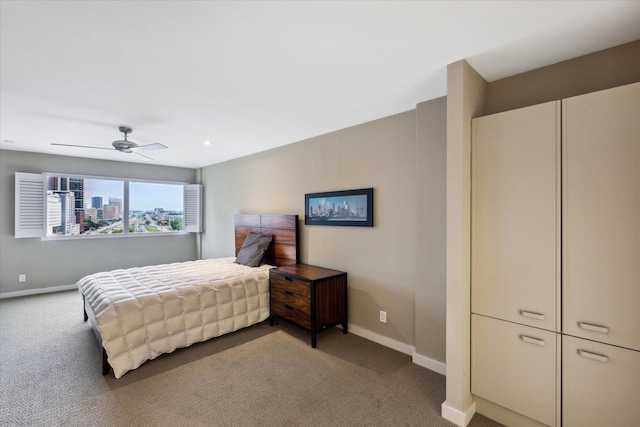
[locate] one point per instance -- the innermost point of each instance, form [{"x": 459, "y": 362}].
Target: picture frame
[{"x": 352, "y": 208}]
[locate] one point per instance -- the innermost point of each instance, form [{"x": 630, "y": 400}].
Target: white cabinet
[
  {"x": 515, "y": 268},
  {"x": 601, "y": 216},
  {"x": 556, "y": 230},
  {"x": 515, "y": 216},
  {"x": 601, "y": 385},
  {"x": 515, "y": 366}
]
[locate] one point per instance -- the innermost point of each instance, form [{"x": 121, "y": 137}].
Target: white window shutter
[
  {"x": 193, "y": 208},
  {"x": 29, "y": 198}
]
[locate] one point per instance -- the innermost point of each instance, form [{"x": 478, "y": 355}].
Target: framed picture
[{"x": 347, "y": 208}]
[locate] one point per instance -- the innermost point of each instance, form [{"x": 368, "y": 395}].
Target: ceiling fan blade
[
  {"x": 150, "y": 147},
  {"x": 146, "y": 158},
  {"x": 81, "y": 146}
]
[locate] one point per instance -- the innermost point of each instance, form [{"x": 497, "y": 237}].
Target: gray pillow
[{"x": 253, "y": 249}]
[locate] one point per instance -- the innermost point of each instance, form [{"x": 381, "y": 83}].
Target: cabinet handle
[
  {"x": 532, "y": 315},
  {"x": 288, "y": 293},
  {"x": 593, "y": 356},
  {"x": 531, "y": 340},
  {"x": 287, "y": 278},
  {"x": 593, "y": 328},
  {"x": 288, "y": 307}
]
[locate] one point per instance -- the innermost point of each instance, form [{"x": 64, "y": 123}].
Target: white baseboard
[
  {"x": 382, "y": 340},
  {"x": 453, "y": 415},
  {"x": 459, "y": 418},
  {"x": 429, "y": 363},
  {"x": 407, "y": 349},
  {"x": 27, "y": 292}
]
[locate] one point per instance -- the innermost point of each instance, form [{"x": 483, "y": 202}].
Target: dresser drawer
[
  {"x": 292, "y": 292},
  {"x": 289, "y": 312}
]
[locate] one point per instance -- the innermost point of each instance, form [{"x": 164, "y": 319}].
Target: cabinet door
[
  {"x": 601, "y": 216},
  {"x": 515, "y": 214},
  {"x": 601, "y": 385},
  {"x": 514, "y": 366}
]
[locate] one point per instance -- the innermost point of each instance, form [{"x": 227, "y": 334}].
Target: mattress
[{"x": 144, "y": 312}]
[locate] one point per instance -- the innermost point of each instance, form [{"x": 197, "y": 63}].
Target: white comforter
[{"x": 145, "y": 312}]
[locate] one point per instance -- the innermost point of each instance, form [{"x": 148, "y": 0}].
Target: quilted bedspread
[{"x": 144, "y": 312}]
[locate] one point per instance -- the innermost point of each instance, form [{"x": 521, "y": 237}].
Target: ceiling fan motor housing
[{"x": 124, "y": 145}]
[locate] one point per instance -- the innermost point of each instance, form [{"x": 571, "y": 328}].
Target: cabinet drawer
[
  {"x": 601, "y": 384},
  {"x": 301, "y": 317},
  {"x": 514, "y": 366}
]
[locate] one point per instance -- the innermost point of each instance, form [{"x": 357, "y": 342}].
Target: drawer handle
[
  {"x": 532, "y": 315},
  {"x": 531, "y": 340},
  {"x": 288, "y": 279},
  {"x": 288, "y": 307},
  {"x": 593, "y": 356},
  {"x": 593, "y": 328},
  {"x": 288, "y": 293}
]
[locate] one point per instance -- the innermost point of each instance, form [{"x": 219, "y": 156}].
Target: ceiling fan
[{"x": 124, "y": 145}]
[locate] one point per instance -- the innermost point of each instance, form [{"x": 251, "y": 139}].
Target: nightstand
[{"x": 309, "y": 296}]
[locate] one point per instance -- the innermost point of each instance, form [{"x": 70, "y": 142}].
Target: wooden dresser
[{"x": 312, "y": 297}]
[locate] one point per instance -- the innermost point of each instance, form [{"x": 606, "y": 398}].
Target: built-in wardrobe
[{"x": 555, "y": 262}]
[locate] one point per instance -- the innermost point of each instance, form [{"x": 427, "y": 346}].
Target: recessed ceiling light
[{"x": 207, "y": 142}]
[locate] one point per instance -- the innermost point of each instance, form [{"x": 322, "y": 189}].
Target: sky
[{"x": 143, "y": 196}]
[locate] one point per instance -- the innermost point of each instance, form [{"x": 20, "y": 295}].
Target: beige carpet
[{"x": 260, "y": 376}]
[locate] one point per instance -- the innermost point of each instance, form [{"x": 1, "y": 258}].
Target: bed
[{"x": 140, "y": 313}]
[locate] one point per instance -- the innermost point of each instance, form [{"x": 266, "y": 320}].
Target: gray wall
[
  {"x": 601, "y": 70},
  {"x": 50, "y": 264},
  {"x": 387, "y": 264},
  {"x": 431, "y": 227}
]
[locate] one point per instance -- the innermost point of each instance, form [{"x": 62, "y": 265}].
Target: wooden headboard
[{"x": 284, "y": 249}]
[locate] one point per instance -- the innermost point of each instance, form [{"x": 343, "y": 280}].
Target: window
[
  {"x": 70, "y": 206},
  {"x": 83, "y": 206},
  {"x": 155, "y": 208}
]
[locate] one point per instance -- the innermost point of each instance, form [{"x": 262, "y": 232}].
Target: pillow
[{"x": 253, "y": 249}]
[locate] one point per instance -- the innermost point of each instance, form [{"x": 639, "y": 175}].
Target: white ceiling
[{"x": 250, "y": 76}]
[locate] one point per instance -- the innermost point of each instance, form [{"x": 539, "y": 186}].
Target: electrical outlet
[
  {"x": 22, "y": 278},
  {"x": 383, "y": 316}
]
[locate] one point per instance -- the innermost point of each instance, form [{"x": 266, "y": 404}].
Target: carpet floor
[{"x": 259, "y": 376}]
